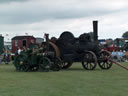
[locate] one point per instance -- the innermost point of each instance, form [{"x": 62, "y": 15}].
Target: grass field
[{"x": 72, "y": 82}]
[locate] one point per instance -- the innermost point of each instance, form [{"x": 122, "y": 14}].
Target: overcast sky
[{"x": 37, "y": 17}]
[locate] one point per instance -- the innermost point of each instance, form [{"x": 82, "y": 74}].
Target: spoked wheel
[
  {"x": 66, "y": 65},
  {"x": 21, "y": 63},
  {"x": 105, "y": 63},
  {"x": 90, "y": 61},
  {"x": 57, "y": 64},
  {"x": 45, "y": 64}
]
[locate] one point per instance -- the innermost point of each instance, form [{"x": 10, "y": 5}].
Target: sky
[{"x": 36, "y": 17}]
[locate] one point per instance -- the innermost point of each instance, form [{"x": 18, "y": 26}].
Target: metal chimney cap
[{"x": 95, "y": 20}]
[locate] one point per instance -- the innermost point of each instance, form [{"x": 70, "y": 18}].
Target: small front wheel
[
  {"x": 45, "y": 64},
  {"x": 89, "y": 61},
  {"x": 105, "y": 63},
  {"x": 21, "y": 63}
]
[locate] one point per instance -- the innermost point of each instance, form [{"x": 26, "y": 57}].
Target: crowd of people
[
  {"x": 120, "y": 56},
  {"x": 6, "y": 57}
]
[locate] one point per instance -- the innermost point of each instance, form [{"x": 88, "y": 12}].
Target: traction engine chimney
[{"x": 95, "y": 30}]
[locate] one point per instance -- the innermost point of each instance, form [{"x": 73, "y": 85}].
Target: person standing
[
  {"x": 6, "y": 57},
  {"x": 120, "y": 55},
  {"x": 114, "y": 55},
  {"x": 19, "y": 50}
]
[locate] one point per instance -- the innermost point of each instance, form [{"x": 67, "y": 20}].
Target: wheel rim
[
  {"x": 90, "y": 61},
  {"x": 45, "y": 64},
  {"x": 66, "y": 65},
  {"x": 105, "y": 63},
  {"x": 21, "y": 63},
  {"x": 57, "y": 64},
  {"x": 58, "y": 61}
]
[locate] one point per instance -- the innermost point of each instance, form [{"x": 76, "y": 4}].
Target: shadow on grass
[
  {"x": 64, "y": 70},
  {"x": 80, "y": 69},
  {"x": 11, "y": 68}
]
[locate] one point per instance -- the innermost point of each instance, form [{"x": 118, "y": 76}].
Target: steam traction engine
[
  {"x": 62, "y": 52},
  {"x": 82, "y": 50},
  {"x": 37, "y": 58}
]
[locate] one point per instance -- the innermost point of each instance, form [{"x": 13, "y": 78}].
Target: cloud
[
  {"x": 56, "y": 16},
  {"x": 9, "y": 1},
  {"x": 37, "y": 10}
]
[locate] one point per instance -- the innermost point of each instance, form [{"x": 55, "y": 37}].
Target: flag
[
  {"x": 26, "y": 33},
  {"x": 7, "y": 35}
]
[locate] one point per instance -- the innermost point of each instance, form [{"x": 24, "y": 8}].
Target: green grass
[{"x": 72, "y": 82}]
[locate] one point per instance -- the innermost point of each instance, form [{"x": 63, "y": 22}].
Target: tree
[{"x": 125, "y": 35}]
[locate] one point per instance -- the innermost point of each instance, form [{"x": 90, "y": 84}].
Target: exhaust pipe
[{"x": 95, "y": 30}]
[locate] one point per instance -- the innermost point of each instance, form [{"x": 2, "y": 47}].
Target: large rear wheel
[
  {"x": 66, "y": 35},
  {"x": 56, "y": 66},
  {"x": 66, "y": 65}
]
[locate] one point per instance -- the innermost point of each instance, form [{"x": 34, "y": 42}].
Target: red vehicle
[
  {"x": 111, "y": 48},
  {"x": 22, "y": 41}
]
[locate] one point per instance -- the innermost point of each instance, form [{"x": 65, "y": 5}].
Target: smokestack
[{"x": 95, "y": 30}]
